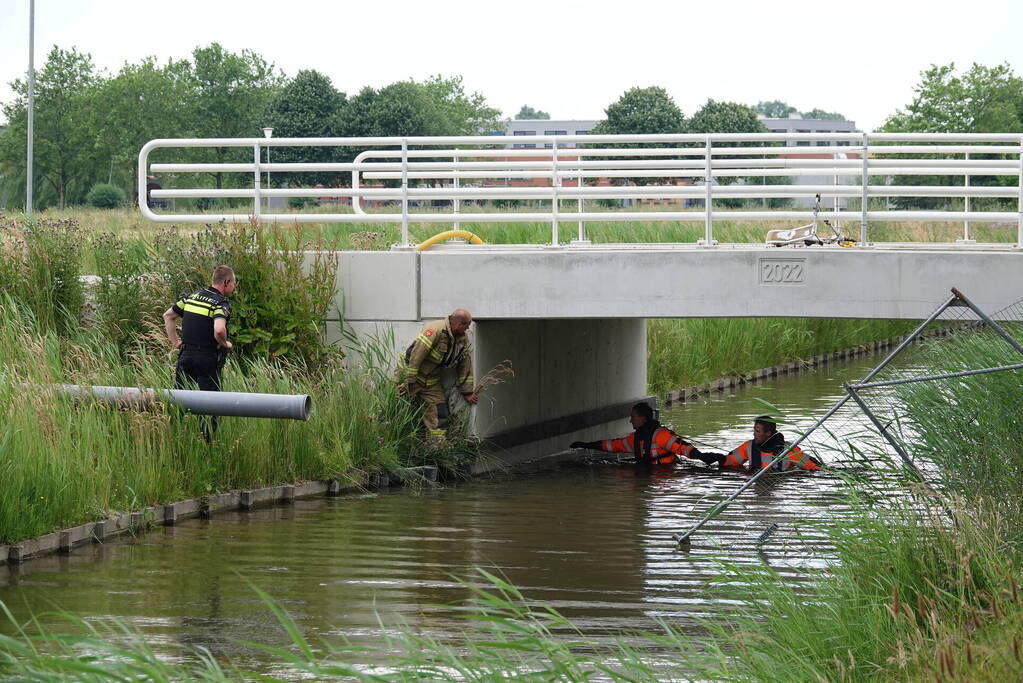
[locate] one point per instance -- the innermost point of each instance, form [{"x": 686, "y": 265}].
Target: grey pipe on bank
[{"x": 220, "y": 403}]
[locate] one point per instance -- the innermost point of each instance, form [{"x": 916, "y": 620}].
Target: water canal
[{"x": 593, "y": 542}]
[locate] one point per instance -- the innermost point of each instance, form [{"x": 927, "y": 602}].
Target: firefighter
[
  {"x": 650, "y": 444},
  {"x": 763, "y": 450},
  {"x": 441, "y": 344},
  {"x": 203, "y": 345}
]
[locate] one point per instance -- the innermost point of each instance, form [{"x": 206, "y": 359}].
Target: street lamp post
[
  {"x": 31, "y": 105},
  {"x": 268, "y": 133}
]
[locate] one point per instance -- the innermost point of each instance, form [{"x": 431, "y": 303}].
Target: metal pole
[
  {"x": 987, "y": 319},
  {"x": 404, "y": 192},
  {"x": 268, "y": 177},
  {"x": 883, "y": 430},
  {"x": 555, "y": 183},
  {"x": 222, "y": 403},
  {"x": 930, "y": 378},
  {"x": 31, "y": 106},
  {"x": 863, "y": 196},
  {"x": 708, "y": 178},
  {"x": 257, "y": 199}
]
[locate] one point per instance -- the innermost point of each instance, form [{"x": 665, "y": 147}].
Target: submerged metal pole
[{"x": 220, "y": 403}]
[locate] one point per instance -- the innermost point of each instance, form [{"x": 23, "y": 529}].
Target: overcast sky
[{"x": 568, "y": 58}]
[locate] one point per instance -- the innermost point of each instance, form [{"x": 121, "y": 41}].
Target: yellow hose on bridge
[{"x": 447, "y": 235}]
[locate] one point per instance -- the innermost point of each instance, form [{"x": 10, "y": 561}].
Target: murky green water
[{"x": 593, "y": 542}]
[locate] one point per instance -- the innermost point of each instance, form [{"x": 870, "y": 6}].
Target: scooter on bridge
[{"x": 806, "y": 235}]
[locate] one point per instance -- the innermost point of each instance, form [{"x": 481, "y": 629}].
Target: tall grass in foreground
[
  {"x": 683, "y": 352},
  {"x": 65, "y": 463}
]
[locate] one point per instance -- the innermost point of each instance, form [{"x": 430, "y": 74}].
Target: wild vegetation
[{"x": 65, "y": 463}]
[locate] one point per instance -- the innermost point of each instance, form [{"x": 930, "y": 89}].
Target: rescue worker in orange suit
[
  {"x": 441, "y": 344},
  {"x": 650, "y": 444},
  {"x": 762, "y": 451}
]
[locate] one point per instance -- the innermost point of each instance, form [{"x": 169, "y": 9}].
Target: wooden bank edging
[
  {"x": 169, "y": 514},
  {"x": 725, "y": 383}
]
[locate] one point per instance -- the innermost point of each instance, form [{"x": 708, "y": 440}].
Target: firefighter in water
[
  {"x": 762, "y": 451},
  {"x": 650, "y": 444},
  {"x": 441, "y": 344}
]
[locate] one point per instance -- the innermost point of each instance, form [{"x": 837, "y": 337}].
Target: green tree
[
  {"x": 725, "y": 117},
  {"x": 818, "y": 113},
  {"x": 142, "y": 102},
  {"x": 731, "y": 117},
  {"x": 775, "y": 109},
  {"x": 981, "y": 100},
  {"x": 307, "y": 107},
  {"x": 641, "y": 110},
  {"x": 62, "y": 157},
  {"x": 527, "y": 113},
  {"x": 233, "y": 93},
  {"x": 461, "y": 113}
]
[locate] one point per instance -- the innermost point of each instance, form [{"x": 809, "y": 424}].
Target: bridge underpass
[
  {"x": 572, "y": 317},
  {"x": 573, "y": 320}
]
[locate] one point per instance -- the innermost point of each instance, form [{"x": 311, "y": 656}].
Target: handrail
[{"x": 692, "y": 171}]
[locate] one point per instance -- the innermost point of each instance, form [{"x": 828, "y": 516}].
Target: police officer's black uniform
[{"x": 201, "y": 359}]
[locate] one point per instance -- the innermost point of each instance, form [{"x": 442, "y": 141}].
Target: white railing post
[
  {"x": 708, "y": 180},
  {"x": 579, "y": 204},
  {"x": 457, "y": 206},
  {"x": 555, "y": 183},
  {"x": 404, "y": 192},
  {"x": 966, "y": 205},
  {"x": 1019, "y": 206},
  {"x": 864, "y": 197},
  {"x": 257, "y": 199}
]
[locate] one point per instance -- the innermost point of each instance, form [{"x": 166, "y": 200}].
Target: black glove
[
  {"x": 710, "y": 458},
  {"x": 585, "y": 444}
]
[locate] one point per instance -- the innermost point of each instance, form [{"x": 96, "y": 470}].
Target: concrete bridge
[
  {"x": 573, "y": 320},
  {"x": 572, "y": 317}
]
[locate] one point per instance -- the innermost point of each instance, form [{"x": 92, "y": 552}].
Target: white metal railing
[{"x": 697, "y": 169}]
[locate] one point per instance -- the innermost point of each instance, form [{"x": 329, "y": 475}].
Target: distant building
[
  {"x": 530, "y": 127},
  {"x": 797, "y": 124}
]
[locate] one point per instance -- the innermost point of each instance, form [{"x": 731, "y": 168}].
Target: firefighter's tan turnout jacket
[{"x": 437, "y": 347}]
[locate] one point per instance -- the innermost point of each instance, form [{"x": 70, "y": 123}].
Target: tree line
[{"x": 90, "y": 125}]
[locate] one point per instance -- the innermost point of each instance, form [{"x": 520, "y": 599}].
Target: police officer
[
  {"x": 441, "y": 344},
  {"x": 203, "y": 343}
]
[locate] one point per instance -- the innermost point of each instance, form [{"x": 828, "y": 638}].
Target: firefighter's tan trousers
[{"x": 432, "y": 398}]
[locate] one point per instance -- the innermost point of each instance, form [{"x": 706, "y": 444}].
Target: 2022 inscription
[{"x": 781, "y": 271}]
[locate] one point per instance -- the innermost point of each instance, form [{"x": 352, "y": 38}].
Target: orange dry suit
[
  {"x": 651, "y": 444},
  {"x": 761, "y": 456}
]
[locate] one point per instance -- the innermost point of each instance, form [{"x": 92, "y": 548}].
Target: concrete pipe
[{"x": 221, "y": 403}]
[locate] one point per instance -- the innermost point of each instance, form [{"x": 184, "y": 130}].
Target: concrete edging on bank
[{"x": 169, "y": 514}]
